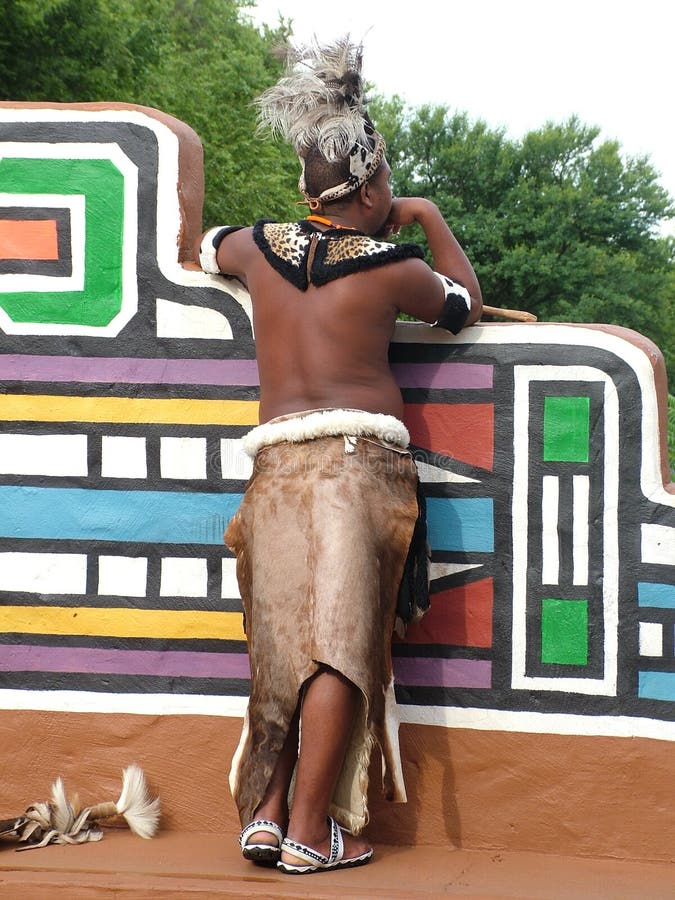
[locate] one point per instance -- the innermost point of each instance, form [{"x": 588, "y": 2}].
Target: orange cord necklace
[{"x": 330, "y": 224}]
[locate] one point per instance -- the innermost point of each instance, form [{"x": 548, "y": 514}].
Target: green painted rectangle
[
  {"x": 564, "y": 632},
  {"x": 566, "y": 429},
  {"x": 102, "y": 185}
]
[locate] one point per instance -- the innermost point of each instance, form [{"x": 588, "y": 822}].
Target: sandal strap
[
  {"x": 260, "y": 825},
  {"x": 337, "y": 845},
  {"x": 302, "y": 851},
  {"x": 312, "y": 856}
]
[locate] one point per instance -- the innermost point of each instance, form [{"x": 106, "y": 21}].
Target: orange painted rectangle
[
  {"x": 28, "y": 239},
  {"x": 460, "y": 616},
  {"x": 463, "y": 431}
]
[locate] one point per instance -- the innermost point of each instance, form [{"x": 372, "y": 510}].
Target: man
[{"x": 324, "y": 530}]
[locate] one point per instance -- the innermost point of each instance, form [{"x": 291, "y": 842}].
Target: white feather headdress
[{"x": 320, "y": 103}]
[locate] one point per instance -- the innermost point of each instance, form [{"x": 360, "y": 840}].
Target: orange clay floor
[{"x": 180, "y": 866}]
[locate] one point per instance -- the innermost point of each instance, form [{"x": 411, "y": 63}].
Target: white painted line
[
  {"x": 651, "y": 639},
  {"x": 183, "y": 577},
  {"x": 550, "y": 550},
  {"x": 436, "y": 474},
  {"x": 43, "y": 454},
  {"x": 180, "y": 320},
  {"x": 44, "y": 573},
  {"x": 182, "y": 457},
  {"x": 658, "y": 544},
  {"x": 122, "y": 576},
  {"x": 581, "y": 487},
  {"x": 123, "y": 457},
  {"x": 537, "y": 723},
  {"x": 229, "y": 586},
  {"x": 441, "y": 569},
  {"x": 444, "y": 716},
  {"x": 234, "y": 463}
]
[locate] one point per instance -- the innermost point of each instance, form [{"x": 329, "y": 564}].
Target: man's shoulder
[{"x": 304, "y": 255}]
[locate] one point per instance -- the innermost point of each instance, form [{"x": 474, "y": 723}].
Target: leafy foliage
[
  {"x": 199, "y": 60},
  {"x": 557, "y": 223},
  {"x": 671, "y": 433}
]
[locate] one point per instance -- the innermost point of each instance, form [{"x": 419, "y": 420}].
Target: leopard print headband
[{"x": 363, "y": 164}]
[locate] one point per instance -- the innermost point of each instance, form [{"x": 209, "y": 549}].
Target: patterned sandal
[
  {"x": 316, "y": 861},
  {"x": 262, "y": 854}
]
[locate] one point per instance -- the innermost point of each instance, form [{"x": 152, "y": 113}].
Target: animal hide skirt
[{"x": 321, "y": 538}]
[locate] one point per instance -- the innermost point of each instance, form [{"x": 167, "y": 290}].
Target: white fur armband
[{"x": 208, "y": 249}]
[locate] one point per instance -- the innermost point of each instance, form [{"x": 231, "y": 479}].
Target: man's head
[
  {"x": 367, "y": 207},
  {"x": 320, "y": 108},
  {"x": 326, "y": 180}
]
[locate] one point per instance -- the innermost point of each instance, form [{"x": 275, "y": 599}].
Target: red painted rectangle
[
  {"x": 28, "y": 239},
  {"x": 460, "y": 616},
  {"x": 463, "y": 431}
]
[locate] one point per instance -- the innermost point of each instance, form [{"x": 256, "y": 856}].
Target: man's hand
[{"x": 406, "y": 211}]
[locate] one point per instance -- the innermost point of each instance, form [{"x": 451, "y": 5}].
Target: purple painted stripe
[
  {"x": 128, "y": 370},
  {"x": 443, "y": 375},
  {"x": 431, "y": 672},
  {"x": 174, "y": 663}
]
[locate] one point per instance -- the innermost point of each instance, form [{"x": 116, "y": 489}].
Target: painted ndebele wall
[{"x": 537, "y": 696}]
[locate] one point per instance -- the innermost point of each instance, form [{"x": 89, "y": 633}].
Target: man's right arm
[
  {"x": 448, "y": 256},
  {"x": 224, "y": 250}
]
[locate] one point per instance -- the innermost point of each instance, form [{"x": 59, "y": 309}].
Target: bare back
[{"x": 326, "y": 346}]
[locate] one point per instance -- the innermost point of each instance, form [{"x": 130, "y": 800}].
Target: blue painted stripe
[
  {"x": 81, "y": 514},
  {"x": 661, "y": 595},
  {"x": 177, "y": 517},
  {"x": 465, "y": 523},
  {"x": 657, "y": 685}
]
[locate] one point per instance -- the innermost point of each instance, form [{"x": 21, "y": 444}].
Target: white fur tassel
[
  {"x": 62, "y": 813},
  {"x": 62, "y": 821},
  {"x": 141, "y": 813}
]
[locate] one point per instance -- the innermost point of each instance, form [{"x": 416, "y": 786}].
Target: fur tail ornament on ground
[{"x": 63, "y": 821}]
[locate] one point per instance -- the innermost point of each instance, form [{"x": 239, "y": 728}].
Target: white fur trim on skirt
[{"x": 305, "y": 426}]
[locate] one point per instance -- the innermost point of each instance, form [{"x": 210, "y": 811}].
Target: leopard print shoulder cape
[{"x": 304, "y": 255}]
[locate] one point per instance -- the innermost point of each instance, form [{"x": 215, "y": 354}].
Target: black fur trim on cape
[{"x": 337, "y": 252}]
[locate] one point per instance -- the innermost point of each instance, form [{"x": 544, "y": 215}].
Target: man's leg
[
  {"x": 328, "y": 709},
  {"x": 274, "y": 804}
]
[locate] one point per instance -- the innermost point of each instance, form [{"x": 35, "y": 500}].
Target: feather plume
[{"x": 320, "y": 102}]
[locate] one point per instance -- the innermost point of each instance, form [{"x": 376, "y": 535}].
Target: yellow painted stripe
[
  {"x": 44, "y": 408},
  {"x": 121, "y": 622}
]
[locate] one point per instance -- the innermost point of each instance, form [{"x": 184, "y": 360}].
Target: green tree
[
  {"x": 217, "y": 64},
  {"x": 200, "y": 60},
  {"x": 69, "y": 50},
  {"x": 558, "y": 223}
]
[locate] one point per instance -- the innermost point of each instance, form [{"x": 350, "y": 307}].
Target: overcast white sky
[{"x": 517, "y": 63}]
